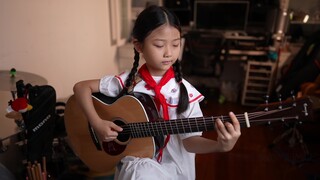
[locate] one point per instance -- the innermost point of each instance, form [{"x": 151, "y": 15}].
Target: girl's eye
[
  {"x": 158, "y": 45},
  {"x": 175, "y": 45}
]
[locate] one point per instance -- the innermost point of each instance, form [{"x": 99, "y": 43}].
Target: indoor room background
[{"x": 66, "y": 41}]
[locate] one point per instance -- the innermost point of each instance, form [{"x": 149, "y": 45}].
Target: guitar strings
[
  {"x": 162, "y": 130},
  {"x": 159, "y": 124},
  {"x": 240, "y": 118},
  {"x": 143, "y": 129}
]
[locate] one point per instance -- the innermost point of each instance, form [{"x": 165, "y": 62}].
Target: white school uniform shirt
[{"x": 177, "y": 163}]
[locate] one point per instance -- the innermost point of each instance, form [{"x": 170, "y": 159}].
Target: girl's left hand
[{"x": 228, "y": 133}]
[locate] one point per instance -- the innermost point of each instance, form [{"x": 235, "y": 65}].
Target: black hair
[{"x": 148, "y": 20}]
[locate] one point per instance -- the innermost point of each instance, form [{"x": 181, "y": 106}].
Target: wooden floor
[{"x": 255, "y": 156}]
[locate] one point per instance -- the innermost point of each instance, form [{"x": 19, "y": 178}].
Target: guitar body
[{"x": 126, "y": 109}]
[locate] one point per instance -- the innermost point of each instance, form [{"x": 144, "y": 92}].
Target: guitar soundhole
[
  {"x": 118, "y": 146},
  {"x": 122, "y": 137}
]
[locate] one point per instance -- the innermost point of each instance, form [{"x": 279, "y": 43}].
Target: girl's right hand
[{"x": 106, "y": 130}]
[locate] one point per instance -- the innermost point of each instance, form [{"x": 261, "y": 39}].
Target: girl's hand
[
  {"x": 106, "y": 130},
  {"x": 228, "y": 133}
]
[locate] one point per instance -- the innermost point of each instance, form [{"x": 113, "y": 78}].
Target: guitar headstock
[{"x": 298, "y": 109}]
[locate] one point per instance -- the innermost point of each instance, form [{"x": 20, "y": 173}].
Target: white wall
[{"x": 64, "y": 41}]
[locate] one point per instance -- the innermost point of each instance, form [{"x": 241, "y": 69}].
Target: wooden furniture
[
  {"x": 258, "y": 82},
  {"x": 251, "y": 54}
]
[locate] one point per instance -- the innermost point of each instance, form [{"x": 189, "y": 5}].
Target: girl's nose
[{"x": 167, "y": 53}]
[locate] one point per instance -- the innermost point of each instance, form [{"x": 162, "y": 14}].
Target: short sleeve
[{"x": 112, "y": 85}]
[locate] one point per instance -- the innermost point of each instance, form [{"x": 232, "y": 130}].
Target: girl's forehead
[{"x": 165, "y": 31}]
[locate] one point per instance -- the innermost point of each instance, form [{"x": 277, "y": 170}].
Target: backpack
[{"x": 40, "y": 120}]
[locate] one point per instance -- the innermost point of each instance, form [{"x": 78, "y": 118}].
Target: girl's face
[{"x": 161, "y": 49}]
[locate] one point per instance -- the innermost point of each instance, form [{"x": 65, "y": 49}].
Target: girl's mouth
[{"x": 166, "y": 62}]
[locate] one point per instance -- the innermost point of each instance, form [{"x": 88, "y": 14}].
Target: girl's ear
[{"x": 137, "y": 45}]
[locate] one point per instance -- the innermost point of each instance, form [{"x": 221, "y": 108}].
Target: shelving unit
[
  {"x": 258, "y": 82},
  {"x": 238, "y": 52}
]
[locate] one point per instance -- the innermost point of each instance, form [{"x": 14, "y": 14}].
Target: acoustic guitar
[{"x": 139, "y": 118}]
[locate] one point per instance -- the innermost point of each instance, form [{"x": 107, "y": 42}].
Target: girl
[{"x": 156, "y": 36}]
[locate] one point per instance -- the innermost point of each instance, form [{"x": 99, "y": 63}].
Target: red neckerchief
[{"x": 159, "y": 98}]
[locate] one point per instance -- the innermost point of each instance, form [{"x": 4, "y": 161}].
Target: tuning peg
[
  {"x": 280, "y": 100},
  {"x": 266, "y": 100},
  {"x": 293, "y": 98},
  {"x": 305, "y": 107},
  {"x": 280, "y": 97}
]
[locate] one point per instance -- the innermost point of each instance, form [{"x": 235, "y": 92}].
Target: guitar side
[{"x": 128, "y": 109}]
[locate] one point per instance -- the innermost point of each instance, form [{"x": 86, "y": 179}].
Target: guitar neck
[
  {"x": 177, "y": 126},
  {"x": 296, "y": 112}
]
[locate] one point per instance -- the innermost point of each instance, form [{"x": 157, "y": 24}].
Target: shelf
[
  {"x": 256, "y": 86},
  {"x": 261, "y": 71},
  {"x": 307, "y": 23},
  {"x": 259, "y": 78},
  {"x": 257, "y": 82},
  {"x": 247, "y": 38},
  {"x": 244, "y": 52},
  {"x": 254, "y": 93}
]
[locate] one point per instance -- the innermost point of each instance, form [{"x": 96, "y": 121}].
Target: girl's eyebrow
[{"x": 177, "y": 39}]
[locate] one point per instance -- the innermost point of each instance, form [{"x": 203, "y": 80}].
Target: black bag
[{"x": 40, "y": 120}]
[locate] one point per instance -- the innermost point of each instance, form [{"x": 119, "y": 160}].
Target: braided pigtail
[
  {"x": 183, "y": 97},
  {"x": 131, "y": 76}
]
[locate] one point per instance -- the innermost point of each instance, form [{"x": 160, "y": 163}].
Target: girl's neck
[{"x": 156, "y": 73}]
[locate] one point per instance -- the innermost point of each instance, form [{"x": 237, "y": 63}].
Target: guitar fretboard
[
  {"x": 177, "y": 126},
  {"x": 188, "y": 125}
]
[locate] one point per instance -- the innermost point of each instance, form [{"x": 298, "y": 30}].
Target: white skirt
[{"x": 133, "y": 168}]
